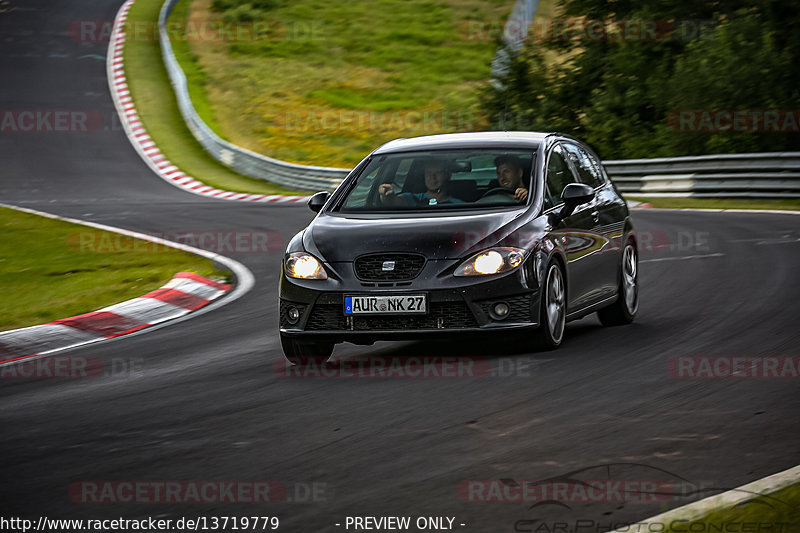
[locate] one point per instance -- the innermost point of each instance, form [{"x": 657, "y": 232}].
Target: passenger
[{"x": 437, "y": 178}]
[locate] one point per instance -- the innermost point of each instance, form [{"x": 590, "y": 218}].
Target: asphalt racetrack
[{"x": 207, "y": 400}]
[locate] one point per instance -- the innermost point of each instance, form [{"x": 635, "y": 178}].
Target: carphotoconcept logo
[{"x": 585, "y": 499}]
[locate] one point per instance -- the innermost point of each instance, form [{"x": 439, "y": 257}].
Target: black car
[{"x": 460, "y": 233}]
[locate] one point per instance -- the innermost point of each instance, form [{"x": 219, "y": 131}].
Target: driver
[
  {"x": 509, "y": 176},
  {"x": 437, "y": 178}
]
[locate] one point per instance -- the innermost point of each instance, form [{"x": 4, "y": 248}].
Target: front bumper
[{"x": 456, "y": 306}]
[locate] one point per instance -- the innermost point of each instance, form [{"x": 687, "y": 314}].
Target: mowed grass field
[
  {"x": 50, "y": 269},
  {"x": 324, "y": 83},
  {"x": 157, "y": 107}
]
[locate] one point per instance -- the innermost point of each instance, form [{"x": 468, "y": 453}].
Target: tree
[{"x": 623, "y": 92}]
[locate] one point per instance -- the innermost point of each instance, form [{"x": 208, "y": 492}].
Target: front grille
[
  {"x": 442, "y": 315},
  {"x": 406, "y": 266},
  {"x": 520, "y": 308},
  {"x": 326, "y": 317},
  {"x": 284, "y": 308}
]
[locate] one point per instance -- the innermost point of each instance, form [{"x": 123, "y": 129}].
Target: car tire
[
  {"x": 623, "y": 310},
  {"x": 305, "y": 353},
  {"x": 552, "y": 308}
]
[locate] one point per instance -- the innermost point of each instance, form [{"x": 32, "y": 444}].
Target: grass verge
[
  {"x": 324, "y": 83},
  {"x": 50, "y": 269},
  {"x": 789, "y": 204},
  {"x": 158, "y": 108},
  {"x": 776, "y": 512}
]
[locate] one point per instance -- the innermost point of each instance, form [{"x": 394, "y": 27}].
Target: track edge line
[{"x": 245, "y": 280}]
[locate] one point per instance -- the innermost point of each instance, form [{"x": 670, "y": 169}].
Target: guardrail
[
  {"x": 289, "y": 175},
  {"x": 761, "y": 175}
]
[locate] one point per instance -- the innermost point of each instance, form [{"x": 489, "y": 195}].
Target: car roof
[{"x": 483, "y": 139}]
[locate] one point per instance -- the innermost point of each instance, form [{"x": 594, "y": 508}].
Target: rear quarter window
[{"x": 588, "y": 168}]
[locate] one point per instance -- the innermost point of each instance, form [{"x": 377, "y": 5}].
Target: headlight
[
  {"x": 491, "y": 261},
  {"x": 304, "y": 266}
]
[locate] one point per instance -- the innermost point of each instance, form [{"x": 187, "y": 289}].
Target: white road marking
[{"x": 681, "y": 258}]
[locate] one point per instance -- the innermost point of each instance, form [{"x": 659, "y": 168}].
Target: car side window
[
  {"x": 358, "y": 197},
  {"x": 559, "y": 176},
  {"x": 598, "y": 169},
  {"x": 588, "y": 172}
]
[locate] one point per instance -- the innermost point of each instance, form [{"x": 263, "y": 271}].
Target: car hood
[{"x": 343, "y": 238}]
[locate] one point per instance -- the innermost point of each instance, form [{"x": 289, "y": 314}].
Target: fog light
[
  {"x": 292, "y": 314},
  {"x": 500, "y": 310}
]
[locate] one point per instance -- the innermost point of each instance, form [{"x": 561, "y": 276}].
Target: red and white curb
[
  {"x": 142, "y": 142},
  {"x": 185, "y": 293},
  {"x": 186, "y": 296},
  {"x": 695, "y": 512}
]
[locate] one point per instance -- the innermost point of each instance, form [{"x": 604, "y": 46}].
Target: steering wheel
[{"x": 499, "y": 190}]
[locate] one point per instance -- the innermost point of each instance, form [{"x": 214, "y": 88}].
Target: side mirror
[
  {"x": 574, "y": 194},
  {"x": 316, "y": 202}
]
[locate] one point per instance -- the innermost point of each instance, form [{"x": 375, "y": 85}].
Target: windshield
[{"x": 442, "y": 180}]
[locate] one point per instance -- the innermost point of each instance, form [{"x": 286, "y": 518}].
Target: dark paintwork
[{"x": 587, "y": 241}]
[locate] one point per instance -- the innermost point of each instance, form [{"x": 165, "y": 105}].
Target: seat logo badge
[{"x": 388, "y": 266}]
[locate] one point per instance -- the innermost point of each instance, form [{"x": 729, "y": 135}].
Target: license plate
[{"x": 406, "y": 304}]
